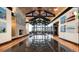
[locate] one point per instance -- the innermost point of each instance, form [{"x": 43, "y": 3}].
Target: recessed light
[
  {"x": 75, "y": 13},
  {"x": 13, "y": 10},
  {"x": 55, "y": 9}
]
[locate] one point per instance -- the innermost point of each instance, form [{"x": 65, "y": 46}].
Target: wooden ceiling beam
[
  {"x": 30, "y": 12},
  {"x": 48, "y": 12},
  {"x": 38, "y": 15},
  {"x": 39, "y": 11},
  {"x": 10, "y": 8},
  {"x": 61, "y": 13}
]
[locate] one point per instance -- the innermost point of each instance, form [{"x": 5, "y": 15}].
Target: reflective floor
[
  {"x": 40, "y": 43},
  {"x": 36, "y": 43}
]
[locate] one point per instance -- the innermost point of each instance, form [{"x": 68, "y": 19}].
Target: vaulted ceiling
[
  {"x": 50, "y": 10},
  {"x": 48, "y": 14}
]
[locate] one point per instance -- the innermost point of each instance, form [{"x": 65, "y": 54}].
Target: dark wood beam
[
  {"x": 38, "y": 15},
  {"x": 39, "y": 11},
  {"x": 10, "y": 8},
  {"x": 62, "y": 13},
  {"x": 27, "y": 22},
  {"x": 48, "y": 12},
  {"x": 30, "y": 12}
]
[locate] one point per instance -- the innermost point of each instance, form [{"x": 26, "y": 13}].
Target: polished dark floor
[{"x": 23, "y": 48}]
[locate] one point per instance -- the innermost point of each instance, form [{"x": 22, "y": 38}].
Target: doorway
[{"x": 55, "y": 27}]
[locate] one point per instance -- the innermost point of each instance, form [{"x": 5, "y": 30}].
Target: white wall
[
  {"x": 27, "y": 26},
  {"x": 71, "y": 36},
  {"x": 20, "y": 26},
  {"x": 4, "y": 37},
  {"x": 30, "y": 28}
]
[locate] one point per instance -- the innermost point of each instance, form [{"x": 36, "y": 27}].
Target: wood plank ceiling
[{"x": 53, "y": 10}]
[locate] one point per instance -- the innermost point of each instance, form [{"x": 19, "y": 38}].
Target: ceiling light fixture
[
  {"x": 75, "y": 13},
  {"x": 13, "y": 9},
  {"x": 55, "y": 9}
]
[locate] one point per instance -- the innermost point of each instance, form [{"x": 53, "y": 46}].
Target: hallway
[
  {"x": 39, "y": 29},
  {"x": 38, "y": 47}
]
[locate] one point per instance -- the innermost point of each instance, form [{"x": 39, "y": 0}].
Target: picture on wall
[
  {"x": 63, "y": 28},
  {"x": 2, "y": 27},
  {"x": 2, "y": 20},
  {"x": 71, "y": 28},
  {"x": 62, "y": 19},
  {"x": 2, "y": 14}
]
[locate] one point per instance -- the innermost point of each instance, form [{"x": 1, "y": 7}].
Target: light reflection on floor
[{"x": 39, "y": 43}]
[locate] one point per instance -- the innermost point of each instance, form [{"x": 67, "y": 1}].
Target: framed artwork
[
  {"x": 62, "y": 19},
  {"x": 2, "y": 14},
  {"x": 71, "y": 28},
  {"x": 63, "y": 28},
  {"x": 2, "y": 27},
  {"x": 2, "y": 20}
]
